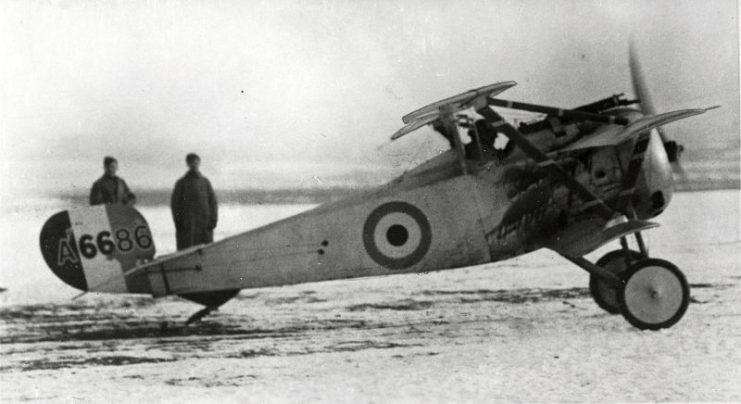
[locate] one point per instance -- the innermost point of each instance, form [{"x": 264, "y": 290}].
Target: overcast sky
[{"x": 276, "y": 93}]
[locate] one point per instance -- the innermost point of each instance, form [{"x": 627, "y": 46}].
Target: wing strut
[
  {"x": 559, "y": 112},
  {"x": 590, "y": 199},
  {"x": 447, "y": 118}
]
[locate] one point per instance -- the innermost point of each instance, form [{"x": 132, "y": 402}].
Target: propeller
[{"x": 673, "y": 149}]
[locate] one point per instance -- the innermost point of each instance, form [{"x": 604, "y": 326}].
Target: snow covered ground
[{"x": 520, "y": 330}]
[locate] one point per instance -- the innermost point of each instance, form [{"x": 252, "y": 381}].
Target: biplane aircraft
[{"x": 570, "y": 182}]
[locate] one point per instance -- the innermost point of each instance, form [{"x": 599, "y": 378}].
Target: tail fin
[{"x": 90, "y": 248}]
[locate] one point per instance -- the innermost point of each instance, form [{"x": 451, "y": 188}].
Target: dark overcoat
[
  {"x": 194, "y": 210},
  {"x": 111, "y": 190}
]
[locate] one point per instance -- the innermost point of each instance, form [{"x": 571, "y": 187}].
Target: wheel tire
[
  {"x": 603, "y": 293},
  {"x": 655, "y": 294}
]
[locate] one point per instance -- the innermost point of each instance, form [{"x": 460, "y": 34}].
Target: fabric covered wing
[
  {"x": 616, "y": 135},
  {"x": 582, "y": 238}
]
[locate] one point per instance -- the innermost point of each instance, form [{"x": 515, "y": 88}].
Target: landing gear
[
  {"x": 650, "y": 293},
  {"x": 655, "y": 294},
  {"x": 605, "y": 294}
]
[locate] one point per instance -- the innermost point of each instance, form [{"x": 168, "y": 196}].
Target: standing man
[
  {"x": 194, "y": 207},
  {"x": 111, "y": 188}
]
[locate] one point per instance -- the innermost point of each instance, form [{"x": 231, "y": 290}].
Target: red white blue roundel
[{"x": 397, "y": 235}]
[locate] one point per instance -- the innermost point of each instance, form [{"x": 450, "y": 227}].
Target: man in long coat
[
  {"x": 111, "y": 188},
  {"x": 194, "y": 207}
]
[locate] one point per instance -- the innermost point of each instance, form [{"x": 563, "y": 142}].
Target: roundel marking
[{"x": 397, "y": 235}]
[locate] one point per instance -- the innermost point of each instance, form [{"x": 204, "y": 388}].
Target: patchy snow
[{"x": 520, "y": 330}]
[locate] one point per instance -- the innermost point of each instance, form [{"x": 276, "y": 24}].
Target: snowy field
[{"x": 520, "y": 330}]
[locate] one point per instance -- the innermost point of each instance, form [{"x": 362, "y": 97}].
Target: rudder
[{"x": 91, "y": 248}]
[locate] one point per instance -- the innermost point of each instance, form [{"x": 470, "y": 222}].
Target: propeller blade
[
  {"x": 639, "y": 82},
  {"x": 640, "y": 89},
  {"x": 673, "y": 149}
]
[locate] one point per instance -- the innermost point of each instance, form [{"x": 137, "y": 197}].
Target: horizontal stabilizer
[
  {"x": 621, "y": 135},
  {"x": 155, "y": 271},
  {"x": 582, "y": 238}
]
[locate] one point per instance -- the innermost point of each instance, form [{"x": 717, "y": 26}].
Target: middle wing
[{"x": 616, "y": 135}]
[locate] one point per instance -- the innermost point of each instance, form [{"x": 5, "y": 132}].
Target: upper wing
[
  {"x": 430, "y": 113},
  {"x": 414, "y": 125},
  {"x": 460, "y": 101},
  {"x": 616, "y": 135}
]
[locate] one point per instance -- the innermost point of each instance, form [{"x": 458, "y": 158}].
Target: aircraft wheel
[
  {"x": 655, "y": 294},
  {"x": 603, "y": 293}
]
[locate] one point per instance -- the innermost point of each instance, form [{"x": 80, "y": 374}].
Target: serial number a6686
[{"x": 124, "y": 242}]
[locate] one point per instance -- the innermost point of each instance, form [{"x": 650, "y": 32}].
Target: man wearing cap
[
  {"x": 194, "y": 207},
  {"x": 110, "y": 188}
]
